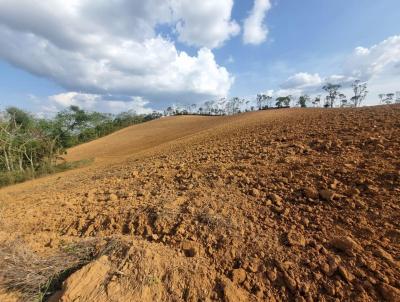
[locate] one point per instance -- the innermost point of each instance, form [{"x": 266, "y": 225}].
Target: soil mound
[{"x": 141, "y": 271}]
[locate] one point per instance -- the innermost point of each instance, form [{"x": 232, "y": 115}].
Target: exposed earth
[{"x": 276, "y": 205}]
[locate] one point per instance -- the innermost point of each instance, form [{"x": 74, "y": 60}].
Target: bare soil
[{"x": 284, "y": 205}]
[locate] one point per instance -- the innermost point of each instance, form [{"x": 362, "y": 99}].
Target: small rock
[
  {"x": 305, "y": 221},
  {"x": 346, "y": 244},
  {"x": 371, "y": 265},
  {"x": 345, "y": 274},
  {"x": 352, "y": 192},
  {"x": 380, "y": 252},
  {"x": 309, "y": 209},
  {"x": 327, "y": 195},
  {"x": 272, "y": 275},
  {"x": 90, "y": 194},
  {"x": 304, "y": 287},
  {"x": 389, "y": 293},
  {"x": 140, "y": 193},
  {"x": 113, "y": 197},
  {"x": 247, "y": 285},
  {"x": 259, "y": 293},
  {"x": 311, "y": 192},
  {"x": 284, "y": 266},
  {"x": 290, "y": 282},
  {"x": 295, "y": 238},
  {"x": 330, "y": 288},
  {"x": 278, "y": 210},
  {"x": 254, "y": 266},
  {"x": 393, "y": 236},
  {"x": 246, "y": 180},
  {"x": 327, "y": 270},
  {"x": 268, "y": 202},
  {"x": 238, "y": 275},
  {"x": 317, "y": 276},
  {"x": 254, "y": 192},
  {"x": 333, "y": 260},
  {"x": 334, "y": 184},
  {"x": 232, "y": 293},
  {"x": 373, "y": 189},
  {"x": 276, "y": 199}
]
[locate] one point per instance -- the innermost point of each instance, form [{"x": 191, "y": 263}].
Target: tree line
[
  {"x": 31, "y": 146},
  {"x": 334, "y": 97},
  {"x": 389, "y": 98}
]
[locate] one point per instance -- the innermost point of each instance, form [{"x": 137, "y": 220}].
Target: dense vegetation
[{"x": 31, "y": 146}]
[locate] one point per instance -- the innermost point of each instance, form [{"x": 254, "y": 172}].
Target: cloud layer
[
  {"x": 255, "y": 31},
  {"x": 114, "y": 47}
]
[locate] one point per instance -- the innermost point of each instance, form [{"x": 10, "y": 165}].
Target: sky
[{"x": 118, "y": 55}]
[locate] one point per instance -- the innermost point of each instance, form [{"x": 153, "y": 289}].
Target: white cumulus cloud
[
  {"x": 380, "y": 59},
  {"x": 255, "y": 31},
  {"x": 113, "y": 47},
  {"x": 205, "y": 22},
  {"x": 302, "y": 80}
]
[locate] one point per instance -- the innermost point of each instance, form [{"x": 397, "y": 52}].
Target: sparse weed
[{"x": 152, "y": 280}]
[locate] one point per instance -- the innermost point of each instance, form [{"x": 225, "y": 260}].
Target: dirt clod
[
  {"x": 295, "y": 239},
  {"x": 238, "y": 275},
  {"x": 327, "y": 195},
  {"x": 346, "y": 245},
  {"x": 389, "y": 293},
  {"x": 311, "y": 192}
]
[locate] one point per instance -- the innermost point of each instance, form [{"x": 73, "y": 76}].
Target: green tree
[
  {"x": 283, "y": 101},
  {"x": 263, "y": 101},
  {"x": 19, "y": 117},
  {"x": 303, "y": 100},
  {"x": 360, "y": 92},
  {"x": 317, "y": 101},
  {"x": 386, "y": 98},
  {"x": 343, "y": 100},
  {"x": 259, "y": 101},
  {"x": 333, "y": 93}
]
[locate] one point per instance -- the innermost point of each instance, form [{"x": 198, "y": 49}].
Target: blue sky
[{"x": 45, "y": 66}]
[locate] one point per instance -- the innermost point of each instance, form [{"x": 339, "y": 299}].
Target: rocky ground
[{"x": 284, "y": 205}]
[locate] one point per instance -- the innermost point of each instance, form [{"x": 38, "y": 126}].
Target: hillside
[
  {"x": 280, "y": 205},
  {"x": 134, "y": 139}
]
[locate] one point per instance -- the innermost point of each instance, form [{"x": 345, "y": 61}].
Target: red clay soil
[{"x": 284, "y": 205}]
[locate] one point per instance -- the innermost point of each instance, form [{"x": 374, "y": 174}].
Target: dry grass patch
[{"x": 35, "y": 277}]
